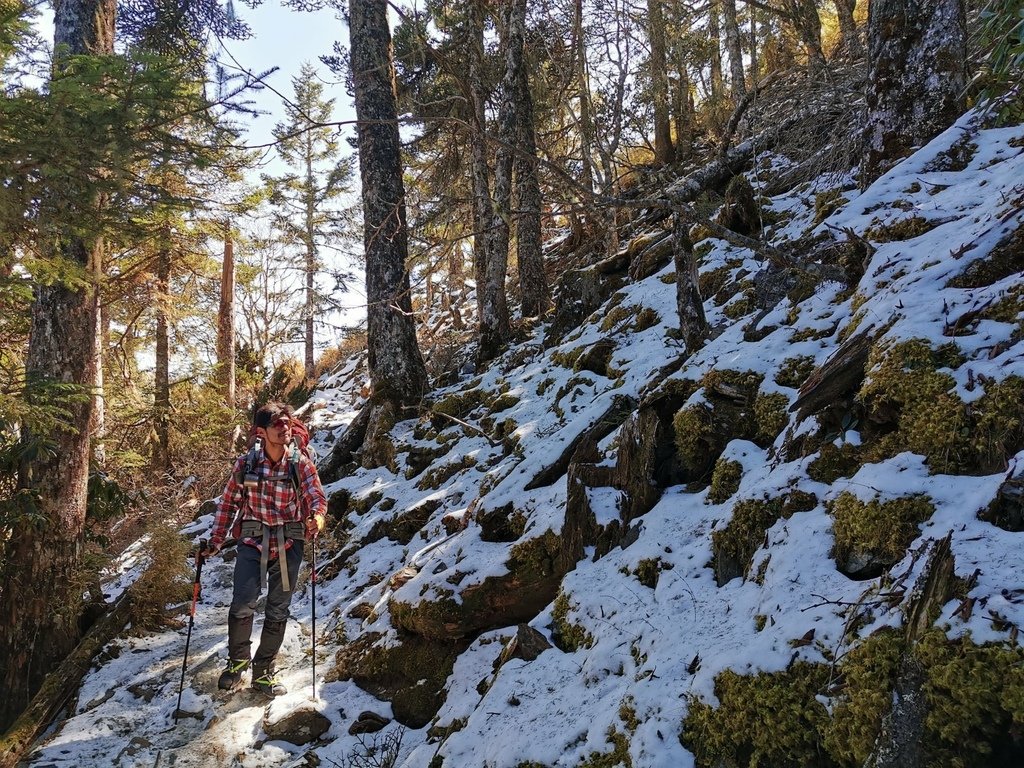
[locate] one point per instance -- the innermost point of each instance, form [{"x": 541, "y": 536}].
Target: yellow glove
[{"x": 315, "y": 525}]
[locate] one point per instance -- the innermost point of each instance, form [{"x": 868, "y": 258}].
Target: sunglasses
[{"x": 281, "y": 424}]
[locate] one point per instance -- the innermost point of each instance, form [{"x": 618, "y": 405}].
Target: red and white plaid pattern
[{"x": 273, "y": 501}]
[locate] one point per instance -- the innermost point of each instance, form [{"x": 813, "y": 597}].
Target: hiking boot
[
  {"x": 264, "y": 681},
  {"x": 231, "y": 677}
]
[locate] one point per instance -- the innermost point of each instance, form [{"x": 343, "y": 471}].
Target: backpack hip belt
[{"x": 254, "y": 529}]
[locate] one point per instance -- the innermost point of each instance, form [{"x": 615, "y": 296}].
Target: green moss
[
  {"x": 768, "y": 719},
  {"x": 771, "y": 416},
  {"x": 811, "y": 334},
  {"x": 503, "y": 402},
  {"x": 568, "y": 636},
  {"x": 438, "y": 476},
  {"x": 649, "y": 569},
  {"x": 902, "y": 229},
  {"x": 998, "y": 429},
  {"x": 794, "y": 371},
  {"x": 742, "y": 537},
  {"x": 739, "y": 308},
  {"x": 568, "y": 359},
  {"x": 826, "y": 203},
  {"x": 760, "y": 621},
  {"x": 615, "y": 316},
  {"x": 975, "y": 698},
  {"x": 713, "y": 280},
  {"x": 834, "y": 462},
  {"x": 745, "y": 381},
  {"x": 883, "y": 528},
  {"x": 694, "y": 427},
  {"x": 627, "y": 714},
  {"x": 617, "y": 758},
  {"x": 725, "y": 480},
  {"x": 645, "y": 318},
  {"x": 459, "y": 404},
  {"x": 545, "y": 385},
  {"x": 932, "y": 420},
  {"x": 868, "y": 673}
]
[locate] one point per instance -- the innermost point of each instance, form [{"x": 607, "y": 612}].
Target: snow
[{"x": 654, "y": 650}]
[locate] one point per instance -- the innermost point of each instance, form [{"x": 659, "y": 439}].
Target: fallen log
[{"x": 62, "y": 684}]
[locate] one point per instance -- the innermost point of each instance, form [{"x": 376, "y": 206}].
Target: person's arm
[
  {"x": 227, "y": 509},
  {"x": 312, "y": 498}
]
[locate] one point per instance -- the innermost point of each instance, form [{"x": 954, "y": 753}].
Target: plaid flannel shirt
[{"x": 273, "y": 501}]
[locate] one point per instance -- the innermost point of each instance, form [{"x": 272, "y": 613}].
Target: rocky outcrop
[{"x": 298, "y": 726}]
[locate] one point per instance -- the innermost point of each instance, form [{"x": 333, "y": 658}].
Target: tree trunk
[
  {"x": 161, "y": 460},
  {"x": 715, "y": 41},
  {"x": 693, "y": 325},
  {"x": 807, "y": 23},
  {"x": 849, "y": 35},
  {"x": 396, "y": 367},
  {"x": 583, "y": 86},
  {"x": 663, "y": 151},
  {"x": 478, "y": 149},
  {"x": 310, "y": 265},
  {"x": 226, "y": 321},
  {"x": 533, "y": 284},
  {"x": 735, "y": 50},
  {"x": 40, "y": 595},
  {"x": 916, "y": 53},
  {"x": 495, "y": 329},
  {"x": 684, "y": 113}
]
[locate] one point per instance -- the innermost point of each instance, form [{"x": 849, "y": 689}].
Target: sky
[{"x": 655, "y": 650}]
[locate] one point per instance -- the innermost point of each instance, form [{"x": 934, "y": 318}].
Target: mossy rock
[
  {"x": 534, "y": 573},
  {"x": 649, "y": 569},
  {"x": 826, "y": 203},
  {"x": 615, "y": 316},
  {"x": 902, "y": 229},
  {"x": 651, "y": 259},
  {"x": 618, "y": 757},
  {"x": 767, "y": 719},
  {"x": 794, "y": 371},
  {"x": 645, "y": 318},
  {"x": 440, "y": 475},
  {"x": 1005, "y": 259},
  {"x": 696, "y": 438},
  {"x": 567, "y": 635},
  {"x": 740, "y": 211},
  {"x": 771, "y": 416},
  {"x": 834, "y": 462},
  {"x": 504, "y": 523},
  {"x": 735, "y": 544},
  {"x": 411, "y": 675},
  {"x": 872, "y": 536},
  {"x": 502, "y": 403},
  {"x": 712, "y": 281},
  {"x": 459, "y": 404},
  {"x": 420, "y": 457},
  {"x": 725, "y": 480},
  {"x": 404, "y": 526}
]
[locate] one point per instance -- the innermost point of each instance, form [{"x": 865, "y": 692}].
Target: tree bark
[
  {"x": 693, "y": 324},
  {"x": 310, "y": 264},
  {"x": 396, "y": 367},
  {"x": 40, "y": 594},
  {"x": 917, "y": 78},
  {"x": 533, "y": 285},
  {"x": 583, "y": 86},
  {"x": 663, "y": 150},
  {"x": 161, "y": 460},
  {"x": 734, "y": 49},
  {"x": 807, "y": 23},
  {"x": 715, "y": 41},
  {"x": 226, "y": 321},
  {"x": 480, "y": 169},
  {"x": 849, "y": 35},
  {"x": 495, "y": 328}
]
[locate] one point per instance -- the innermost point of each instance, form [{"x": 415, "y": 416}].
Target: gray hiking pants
[{"x": 247, "y": 594}]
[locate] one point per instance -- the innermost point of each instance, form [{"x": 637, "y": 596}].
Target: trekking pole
[
  {"x": 313, "y": 583},
  {"x": 191, "y": 622}
]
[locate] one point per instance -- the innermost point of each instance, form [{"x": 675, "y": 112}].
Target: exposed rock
[
  {"x": 368, "y": 722},
  {"x": 534, "y": 573},
  {"x": 619, "y": 408},
  {"x": 360, "y": 611},
  {"x": 378, "y": 449},
  {"x": 454, "y": 522},
  {"x": 1007, "y": 509},
  {"x": 740, "y": 211},
  {"x": 655, "y": 254},
  {"x": 420, "y": 457},
  {"x": 299, "y": 726},
  {"x": 502, "y": 524},
  {"x": 597, "y": 357},
  {"x": 403, "y": 526},
  {"x": 403, "y": 576},
  {"x": 410, "y": 674},
  {"x": 580, "y": 292},
  {"x": 527, "y": 644}
]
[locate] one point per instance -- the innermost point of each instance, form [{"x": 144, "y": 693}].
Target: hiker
[{"x": 272, "y": 503}]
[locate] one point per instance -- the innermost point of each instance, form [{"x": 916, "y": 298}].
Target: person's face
[{"x": 279, "y": 431}]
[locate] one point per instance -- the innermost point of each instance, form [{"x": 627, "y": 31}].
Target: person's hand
[
  {"x": 208, "y": 549},
  {"x": 315, "y": 525}
]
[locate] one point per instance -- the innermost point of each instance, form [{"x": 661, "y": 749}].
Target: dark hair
[{"x": 271, "y": 412}]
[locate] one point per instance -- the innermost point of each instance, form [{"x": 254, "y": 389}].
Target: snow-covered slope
[{"x": 474, "y": 509}]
